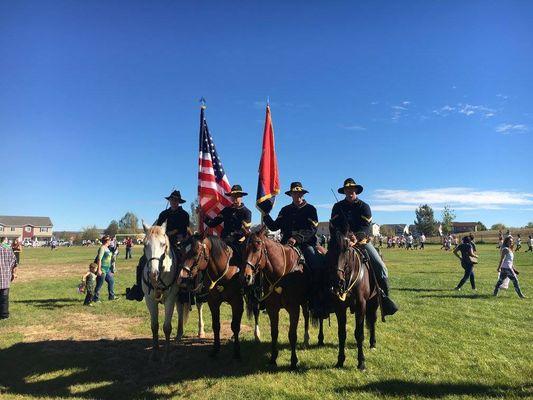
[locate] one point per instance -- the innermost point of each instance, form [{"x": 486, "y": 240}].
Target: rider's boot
[{"x": 387, "y": 305}]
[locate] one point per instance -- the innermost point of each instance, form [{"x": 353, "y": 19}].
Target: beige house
[{"x": 22, "y": 228}]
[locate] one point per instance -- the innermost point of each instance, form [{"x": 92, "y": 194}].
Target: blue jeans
[
  {"x": 379, "y": 267},
  {"x": 469, "y": 273},
  {"x": 505, "y": 273},
  {"x": 110, "y": 279}
]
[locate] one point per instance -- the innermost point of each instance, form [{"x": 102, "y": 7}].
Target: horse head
[
  {"x": 338, "y": 256},
  {"x": 156, "y": 251},
  {"x": 255, "y": 255},
  {"x": 194, "y": 255}
]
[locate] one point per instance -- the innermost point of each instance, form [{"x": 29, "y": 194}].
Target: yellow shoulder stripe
[
  {"x": 367, "y": 219},
  {"x": 315, "y": 224},
  {"x": 246, "y": 224}
]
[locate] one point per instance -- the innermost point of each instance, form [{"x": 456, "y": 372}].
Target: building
[
  {"x": 463, "y": 227},
  {"x": 323, "y": 229},
  {"x": 22, "y": 228}
]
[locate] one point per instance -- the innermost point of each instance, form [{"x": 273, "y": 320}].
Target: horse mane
[{"x": 218, "y": 246}]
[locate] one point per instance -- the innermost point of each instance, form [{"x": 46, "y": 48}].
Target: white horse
[{"x": 159, "y": 285}]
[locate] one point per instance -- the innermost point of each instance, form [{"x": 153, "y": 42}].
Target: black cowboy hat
[
  {"x": 350, "y": 183},
  {"x": 297, "y": 188},
  {"x": 176, "y": 195},
  {"x": 236, "y": 190}
]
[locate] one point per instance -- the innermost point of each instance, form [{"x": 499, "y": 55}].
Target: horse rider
[
  {"x": 237, "y": 219},
  {"x": 298, "y": 223},
  {"x": 354, "y": 213},
  {"x": 177, "y": 225}
]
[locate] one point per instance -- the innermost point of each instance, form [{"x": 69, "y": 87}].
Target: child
[
  {"x": 506, "y": 267},
  {"x": 88, "y": 284}
]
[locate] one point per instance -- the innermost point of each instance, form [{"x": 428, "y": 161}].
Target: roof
[
  {"x": 9, "y": 220},
  {"x": 458, "y": 224}
]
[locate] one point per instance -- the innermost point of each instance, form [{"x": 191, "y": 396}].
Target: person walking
[
  {"x": 422, "y": 241},
  {"x": 506, "y": 267},
  {"x": 468, "y": 258},
  {"x": 8, "y": 267},
  {"x": 530, "y": 244},
  {"x": 518, "y": 242},
  {"x": 17, "y": 248},
  {"x": 129, "y": 245},
  {"x": 103, "y": 259}
]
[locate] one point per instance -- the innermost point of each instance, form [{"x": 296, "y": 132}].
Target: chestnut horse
[
  {"x": 355, "y": 288},
  {"x": 210, "y": 256},
  {"x": 284, "y": 284}
]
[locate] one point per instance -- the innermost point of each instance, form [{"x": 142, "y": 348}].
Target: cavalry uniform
[
  {"x": 176, "y": 229},
  {"x": 300, "y": 222},
  {"x": 236, "y": 219},
  {"x": 357, "y": 217}
]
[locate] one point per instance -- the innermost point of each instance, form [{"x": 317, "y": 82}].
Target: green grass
[{"x": 442, "y": 344}]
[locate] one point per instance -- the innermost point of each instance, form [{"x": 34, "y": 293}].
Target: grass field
[{"x": 442, "y": 344}]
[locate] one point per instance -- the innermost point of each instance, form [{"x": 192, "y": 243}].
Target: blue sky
[{"x": 419, "y": 101}]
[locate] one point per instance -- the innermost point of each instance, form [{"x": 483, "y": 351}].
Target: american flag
[{"x": 212, "y": 180}]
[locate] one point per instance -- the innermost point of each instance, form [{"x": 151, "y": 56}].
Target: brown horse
[
  {"x": 355, "y": 288},
  {"x": 284, "y": 284},
  {"x": 210, "y": 257}
]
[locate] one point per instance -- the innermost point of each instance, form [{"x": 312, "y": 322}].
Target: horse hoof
[
  {"x": 257, "y": 339},
  {"x": 273, "y": 363},
  {"x": 294, "y": 367},
  {"x": 201, "y": 335},
  {"x": 339, "y": 364},
  {"x": 179, "y": 338},
  {"x": 361, "y": 366},
  {"x": 321, "y": 343},
  {"x": 373, "y": 347}
]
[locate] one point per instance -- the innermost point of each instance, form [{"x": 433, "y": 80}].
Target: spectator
[
  {"x": 530, "y": 244},
  {"x": 17, "y": 248},
  {"x": 468, "y": 258},
  {"x": 518, "y": 242},
  {"x": 8, "y": 267},
  {"x": 129, "y": 245},
  {"x": 88, "y": 284},
  {"x": 422, "y": 241},
  {"x": 506, "y": 267},
  {"x": 103, "y": 260},
  {"x": 472, "y": 242}
]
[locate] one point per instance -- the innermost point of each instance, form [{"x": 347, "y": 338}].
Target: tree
[
  {"x": 129, "y": 223},
  {"x": 529, "y": 225},
  {"x": 498, "y": 227},
  {"x": 425, "y": 221},
  {"x": 194, "y": 223},
  {"x": 387, "y": 231},
  {"x": 448, "y": 215},
  {"x": 112, "y": 228},
  {"x": 90, "y": 233},
  {"x": 481, "y": 226}
]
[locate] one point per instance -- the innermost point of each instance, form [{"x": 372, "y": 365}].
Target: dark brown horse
[
  {"x": 209, "y": 256},
  {"x": 355, "y": 288},
  {"x": 284, "y": 285}
]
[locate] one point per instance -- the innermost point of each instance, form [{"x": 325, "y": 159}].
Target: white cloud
[
  {"x": 399, "y": 108},
  {"x": 352, "y": 127},
  {"x": 457, "y": 197},
  {"x": 465, "y": 109},
  {"x": 469, "y": 109},
  {"x": 374, "y": 103},
  {"x": 511, "y": 128}
]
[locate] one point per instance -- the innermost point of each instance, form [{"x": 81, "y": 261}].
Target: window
[
  {"x": 12, "y": 229},
  {"x": 44, "y": 229},
  {"x": 1, "y": 228},
  {"x": 27, "y": 228}
]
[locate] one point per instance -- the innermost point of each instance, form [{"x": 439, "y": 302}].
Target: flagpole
[{"x": 203, "y": 107}]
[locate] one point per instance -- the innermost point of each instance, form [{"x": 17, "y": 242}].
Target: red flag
[
  {"x": 212, "y": 180},
  {"x": 268, "y": 184}
]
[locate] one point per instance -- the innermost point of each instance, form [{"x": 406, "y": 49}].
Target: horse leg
[
  {"x": 320, "y": 332},
  {"x": 167, "y": 325},
  {"x": 371, "y": 318},
  {"x": 305, "y": 312},
  {"x": 154, "y": 322},
  {"x": 359, "y": 332},
  {"x": 201, "y": 331},
  {"x": 257, "y": 334},
  {"x": 341, "y": 333},
  {"x": 273, "y": 315},
  {"x": 179, "y": 335},
  {"x": 294, "y": 316},
  {"x": 237, "y": 308},
  {"x": 214, "y": 306}
]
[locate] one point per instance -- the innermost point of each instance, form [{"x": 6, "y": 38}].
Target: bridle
[
  {"x": 255, "y": 267},
  {"x": 196, "y": 263},
  {"x": 159, "y": 284}
]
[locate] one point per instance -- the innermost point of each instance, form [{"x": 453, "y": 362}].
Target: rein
[
  {"x": 160, "y": 285},
  {"x": 272, "y": 286},
  {"x": 354, "y": 253}
]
